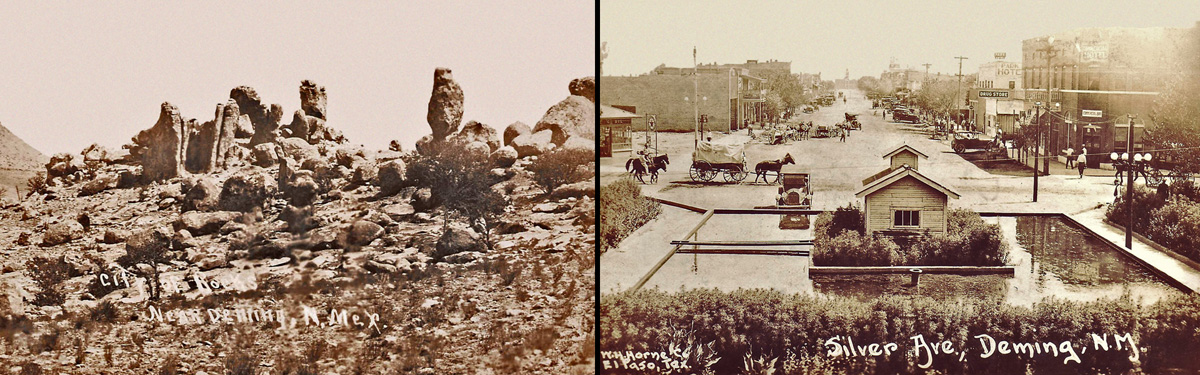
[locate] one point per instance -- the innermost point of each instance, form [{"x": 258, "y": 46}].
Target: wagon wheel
[
  {"x": 708, "y": 174},
  {"x": 1181, "y": 176},
  {"x": 698, "y": 170},
  {"x": 1154, "y": 177},
  {"x": 731, "y": 174}
]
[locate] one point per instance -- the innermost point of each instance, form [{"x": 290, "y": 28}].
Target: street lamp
[
  {"x": 696, "y": 105},
  {"x": 1131, "y": 166},
  {"x": 1037, "y": 145}
]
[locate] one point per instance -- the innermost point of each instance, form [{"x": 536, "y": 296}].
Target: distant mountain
[{"x": 15, "y": 154}]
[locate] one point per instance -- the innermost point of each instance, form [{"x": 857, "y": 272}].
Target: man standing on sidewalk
[
  {"x": 1070, "y": 158},
  {"x": 1081, "y": 163}
]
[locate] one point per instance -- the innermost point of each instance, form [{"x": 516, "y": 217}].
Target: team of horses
[{"x": 641, "y": 167}]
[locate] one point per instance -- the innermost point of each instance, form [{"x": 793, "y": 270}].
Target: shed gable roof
[
  {"x": 903, "y": 148},
  {"x": 897, "y": 175}
]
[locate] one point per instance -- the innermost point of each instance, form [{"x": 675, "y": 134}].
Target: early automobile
[
  {"x": 905, "y": 115},
  {"x": 971, "y": 140}
]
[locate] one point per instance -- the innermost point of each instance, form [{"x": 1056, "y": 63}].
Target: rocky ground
[{"x": 306, "y": 257}]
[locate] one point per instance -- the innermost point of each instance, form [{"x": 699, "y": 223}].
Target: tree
[
  {"x": 462, "y": 180},
  {"x": 1176, "y": 114},
  {"x": 784, "y": 91}
]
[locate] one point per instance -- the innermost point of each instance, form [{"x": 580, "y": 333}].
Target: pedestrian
[
  {"x": 1070, "y": 157},
  {"x": 843, "y": 133},
  {"x": 1081, "y": 162}
]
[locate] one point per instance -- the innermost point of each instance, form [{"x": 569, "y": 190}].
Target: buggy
[{"x": 711, "y": 159}]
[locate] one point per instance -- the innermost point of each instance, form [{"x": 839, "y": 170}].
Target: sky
[
  {"x": 77, "y": 73},
  {"x": 830, "y": 37}
]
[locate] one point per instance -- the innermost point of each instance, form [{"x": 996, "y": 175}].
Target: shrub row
[
  {"x": 623, "y": 209},
  {"x": 790, "y": 331},
  {"x": 839, "y": 240},
  {"x": 1172, "y": 220}
]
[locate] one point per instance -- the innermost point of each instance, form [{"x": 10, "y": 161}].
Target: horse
[
  {"x": 637, "y": 167},
  {"x": 762, "y": 168}
]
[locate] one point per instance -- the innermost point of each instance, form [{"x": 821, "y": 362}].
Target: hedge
[
  {"x": 839, "y": 239},
  {"x": 623, "y": 209},
  {"x": 792, "y": 330},
  {"x": 1173, "y": 222}
]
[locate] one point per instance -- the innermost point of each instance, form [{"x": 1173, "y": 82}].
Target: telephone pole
[
  {"x": 696, "y": 94},
  {"x": 959, "y": 88}
]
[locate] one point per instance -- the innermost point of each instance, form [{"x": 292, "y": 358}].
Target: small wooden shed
[{"x": 900, "y": 200}]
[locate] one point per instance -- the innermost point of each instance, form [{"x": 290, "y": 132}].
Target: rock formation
[
  {"x": 575, "y": 116},
  {"x": 164, "y": 146},
  {"x": 312, "y": 99},
  {"x": 476, "y": 132},
  {"x": 585, "y": 87},
  {"x": 445, "y": 105},
  {"x": 514, "y": 130}
]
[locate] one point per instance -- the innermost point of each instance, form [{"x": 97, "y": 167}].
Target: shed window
[{"x": 906, "y": 218}]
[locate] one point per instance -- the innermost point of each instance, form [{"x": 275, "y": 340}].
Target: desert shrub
[
  {"x": 461, "y": 181},
  {"x": 772, "y": 323},
  {"x": 48, "y": 274},
  {"x": 967, "y": 241},
  {"x": 851, "y": 248},
  {"x": 561, "y": 167},
  {"x": 37, "y": 183},
  {"x": 241, "y": 363},
  {"x": 623, "y": 210},
  {"x": 104, "y": 312},
  {"x": 31, "y": 368},
  {"x": 148, "y": 247}
]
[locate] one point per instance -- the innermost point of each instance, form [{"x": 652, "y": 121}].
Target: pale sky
[
  {"x": 832, "y": 36},
  {"x": 82, "y": 72}
]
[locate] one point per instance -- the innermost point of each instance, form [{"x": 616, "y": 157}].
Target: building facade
[
  {"x": 996, "y": 100},
  {"x": 1092, "y": 80},
  {"x": 730, "y": 95}
]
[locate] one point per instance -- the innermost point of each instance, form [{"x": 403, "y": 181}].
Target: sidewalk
[
  {"x": 1060, "y": 168},
  {"x": 1173, "y": 268}
]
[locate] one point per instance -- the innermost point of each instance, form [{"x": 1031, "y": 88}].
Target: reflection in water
[{"x": 1052, "y": 258}]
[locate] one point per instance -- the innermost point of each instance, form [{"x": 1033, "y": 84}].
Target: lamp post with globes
[{"x": 1130, "y": 167}]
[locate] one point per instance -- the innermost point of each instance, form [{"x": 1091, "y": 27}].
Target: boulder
[
  {"x": 62, "y": 164},
  {"x": 478, "y": 150},
  {"x": 299, "y": 150},
  {"x": 365, "y": 171},
  {"x": 203, "y": 195},
  {"x": 164, "y": 146},
  {"x": 250, "y": 187},
  {"x": 579, "y": 144},
  {"x": 463, "y": 257},
  {"x": 427, "y": 145},
  {"x": 98, "y": 153},
  {"x": 349, "y": 156},
  {"x": 515, "y": 130},
  {"x": 266, "y": 154},
  {"x": 456, "y": 240},
  {"x": 504, "y": 157},
  {"x": 312, "y": 99},
  {"x": 374, "y": 266},
  {"x": 199, "y": 223},
  {"x": 114, "y": 236},
  {"x": 102, "y": 182},
  {"x": 362, "y": 232},
  {"x": 391, "y": 177},
  {"x": 533, "y": 144},
  {"x": 207, "y": 259},
  {"x": 62, "y": 232},
  {"x": 445, "y": 105},
  {"x": 477, "y": 132},
  {"x": 577, "y": 190},
  {"x": 575, "y": 116},
  {"x": 585, "y": 87},
  {"x": 302, "y": 190},
  {"x": 423, "y": 200}
]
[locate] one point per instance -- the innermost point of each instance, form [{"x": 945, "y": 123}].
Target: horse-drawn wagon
[{"x": 711, "y": 159}]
